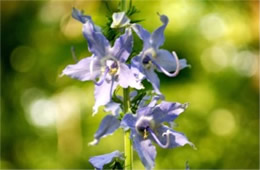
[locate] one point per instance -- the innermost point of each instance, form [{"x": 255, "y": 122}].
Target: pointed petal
[
  {"x": 167, "y": 111},
  {"x": 79, "y": 15},
  {"x": 86, "y": 69},
  {"x": 146, "y": 151},
  {"x": 99, "y": 161},
  {"x": 123, "y": 46},
  {"x": 128, "y": 121},
  {"x": 127, "y": 78},
  {"x": 153, "y": 79},
  {"x": 175, "y": 138},
  {"x": 120, "y": 20},
  {"x": 157, "y": 37},
  {"x": 183, "y": 63},
  {"x": 103, "y": 94},
  {"x": 107, "y": 127},
  {"x": 97, "y": 42},
  {"x": 142, "y": 34}
]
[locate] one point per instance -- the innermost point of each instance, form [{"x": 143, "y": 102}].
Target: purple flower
[
  {"x": 152, "y": 57},
  {"x": 106, "y": 67},
  {"x": 147, "y": 126},
  {"x": 100, "y": 161}
]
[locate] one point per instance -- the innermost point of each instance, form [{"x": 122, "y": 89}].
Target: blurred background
[{"x": 46, "y": 120}]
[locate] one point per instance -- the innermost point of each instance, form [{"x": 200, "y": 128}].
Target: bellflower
[
  {"x": 106, "y": 67},
  {"x": 147, "y": 127},
  {"x": 100, "y": 161},
  {"x": 153, "y": 58}
]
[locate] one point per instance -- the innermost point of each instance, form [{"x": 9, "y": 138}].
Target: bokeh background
[{"x": 46, "y": 120}]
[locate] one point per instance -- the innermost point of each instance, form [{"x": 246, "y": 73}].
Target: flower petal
[
  {"x": 165, "y": 59},
  {"x": 175, "y": 138},
  {"x": 108, "y": 125},
  {"x": 157, "y": 37},
  {"x": 142, "y": 34},
  {"x": 97, "y": 42},
  {"x": 183, "y": 63},
  {"x": 127, "y": 78},
  {"x": 167, "y": 111},
  {"x": 153, "y": 79},
  {"x": 86, "y": 69},
  {"x": 168, "y": 60},
  {"x": 99, "y": 161},
  {"x": 144, "y": 111},
  {"x": 128, "y": 121},
  {"x": 79, "y": 15},
  {"x": 150, "y": 100},
  {"x": 120, "y": 20},
  {"x": 123, "y": 46},
  {"x": 146, "y": 151},
  {"x": 137, "y": 68},
  {"x": 103, "y": 94}
]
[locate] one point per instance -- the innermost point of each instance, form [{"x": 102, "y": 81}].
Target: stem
[
  {"x": 128, "y": 151},
  {"x": 128, "y": 143}
]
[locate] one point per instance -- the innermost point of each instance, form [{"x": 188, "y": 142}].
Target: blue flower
[
  {"x": 106, "y": 67},
  {"x": 152, "y": 57},
  {"x": 100, "y": 161},
  {"x": 147, "y": 126}
]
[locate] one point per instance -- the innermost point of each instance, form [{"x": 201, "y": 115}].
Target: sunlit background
[{"x": 46, "y": 120}]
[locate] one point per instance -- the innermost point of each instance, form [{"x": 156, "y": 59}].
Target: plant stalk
[{"x": 127, "y": 141}]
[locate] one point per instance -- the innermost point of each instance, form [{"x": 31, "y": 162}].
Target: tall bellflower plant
[{"x": 140, "y": 112}]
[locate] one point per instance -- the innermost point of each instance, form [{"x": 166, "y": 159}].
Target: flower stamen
[{"x": 145, "y": 133}]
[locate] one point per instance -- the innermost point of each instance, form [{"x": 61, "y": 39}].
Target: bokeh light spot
[
  {"x": 51, "y": 12},
  {"x": 43, "y": 112},
  {"x": 222, "y": 122},
  {"x": 245, "y": 63},
  {"x": 212, "y": 26},
  {"x": 214, "y": 59}
]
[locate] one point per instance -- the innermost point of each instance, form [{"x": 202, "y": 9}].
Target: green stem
[{"x": 128, "y": 143}]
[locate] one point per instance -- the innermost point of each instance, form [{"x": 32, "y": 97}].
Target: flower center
[
  {"x": 143, "y": 126},
  {"x": 147, "y": 62},
  {"x": 112, "y": 65},
  {"x": 149, "y": 54}
]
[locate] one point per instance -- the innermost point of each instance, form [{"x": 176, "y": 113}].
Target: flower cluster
[{"x": 112, "y": 67}]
